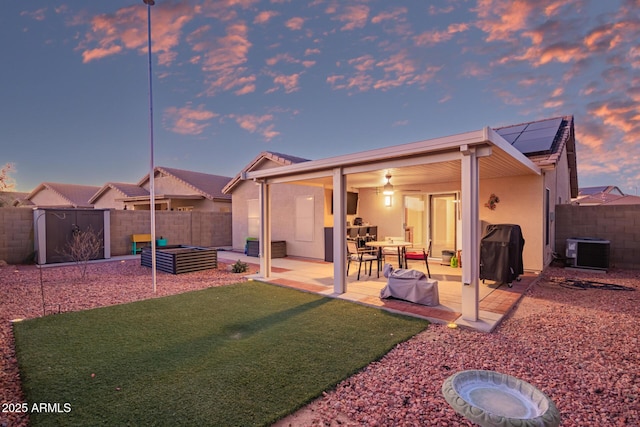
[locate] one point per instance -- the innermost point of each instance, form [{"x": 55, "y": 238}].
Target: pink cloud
[
  {"x": 295, "y": 24},
  {"x": 314, "y": 51},
  {"x": 257, "y": 124},
  {"x": 98, "y": 53},
  {"x": 399, "y": 69},
  {"x": 224, "y": 10},
  {"x": 126, "y": 29},
  {"x": 502, "y": 19},
  {"x": 224, "y": 58},
  {"x": 475, "y": 70},
  {"x": 355, "y": 16},
  {"x": 187, "y": 120},
  {"x": 281, "y": 57},
  {"x": 430, "y": 38},
  {"x": 38, "y": 15},
  {"x": 290, "y": 83},
  {"x": 265, "y": 16},
  {"x": 392, "y": 15},
  {"x": 363, "y": 63},
  {"x": 433, "y": 10},
  {"x": 623, "y": 116}
]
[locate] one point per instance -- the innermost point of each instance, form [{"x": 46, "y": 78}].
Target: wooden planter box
[
  {"x": 278, "y": 248},
  {"x": 178, "y": 259}
]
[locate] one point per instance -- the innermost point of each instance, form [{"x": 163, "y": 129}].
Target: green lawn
[{"x": 246, "y": 354}]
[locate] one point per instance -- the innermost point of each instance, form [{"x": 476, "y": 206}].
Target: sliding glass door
[
  {"x": 442, "y": 213},
  {"x": 431, "y": 217}
]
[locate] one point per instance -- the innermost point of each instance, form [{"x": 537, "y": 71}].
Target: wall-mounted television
[{"x": 352, "y": 203}]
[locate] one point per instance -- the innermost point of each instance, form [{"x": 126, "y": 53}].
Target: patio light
[{"x": 388, "y": 188}]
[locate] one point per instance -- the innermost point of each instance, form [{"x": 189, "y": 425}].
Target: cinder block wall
[
  {"x": 618, "y": 224},
  {"x": 196, "y": 228},
  {"x": 186, "y": 228},
  {"x": 16, "y": 235}
]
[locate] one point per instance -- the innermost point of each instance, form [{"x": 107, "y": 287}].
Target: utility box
[{"x": 588, "y": 252}]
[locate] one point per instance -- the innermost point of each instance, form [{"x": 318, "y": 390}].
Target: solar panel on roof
[
  {"x": 534, "y": 145},
  {"x": 529, "y": 138},
  {"x": 512, "y": 129},
  {"x": 551, "y": 123},
  {"x": 539, "y": 133},
  {"x": 510, "y": 138}
]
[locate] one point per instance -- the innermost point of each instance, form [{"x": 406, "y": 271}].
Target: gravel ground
[{"x": 573, "y": 335}]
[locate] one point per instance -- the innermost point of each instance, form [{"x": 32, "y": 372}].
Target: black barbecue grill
[{"x": 501, "y": 253}]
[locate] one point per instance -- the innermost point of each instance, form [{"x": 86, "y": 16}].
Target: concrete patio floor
[{"x": 496, "y": 300}]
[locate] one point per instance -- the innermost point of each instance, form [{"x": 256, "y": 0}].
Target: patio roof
[
  {"x": 425, "y": 162},
  {"x": 465, "y": 158}
]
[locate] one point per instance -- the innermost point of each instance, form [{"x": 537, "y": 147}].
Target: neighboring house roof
[
  {"x": 278, "y": 158},
  {"x": 207, "y": 185},
  {"x": 74, "y": 195},
  {"x": 606, "y": 189},
  {"x": 543, "y": 142},
  {"x": 11, "y": 198},
  {"x": 627, "y": 199},
  {"x": 126, "y": 189},
  {"x": 604, "y": 195}
]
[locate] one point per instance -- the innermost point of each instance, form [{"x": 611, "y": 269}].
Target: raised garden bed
[
  {"x": 177, "y": 259},
  {"x": 278, "y": 248}
]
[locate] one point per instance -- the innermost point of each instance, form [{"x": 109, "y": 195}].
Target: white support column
[
  {"x": 339, "y": 232},
  {"x": 265, "y": 230},
  {"x": 40, "y": 235},
  {"x": 106, "y": 234},
  {"x": 470, "y": 234}
]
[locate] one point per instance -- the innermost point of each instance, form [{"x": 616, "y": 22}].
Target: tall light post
[{"x": 152, "y": 192}]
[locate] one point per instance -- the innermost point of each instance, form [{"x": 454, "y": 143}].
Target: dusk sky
[{"x": 313, "y": 79}]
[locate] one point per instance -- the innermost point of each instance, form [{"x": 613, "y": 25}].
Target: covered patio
[
  {"x": 495, "y": 300},
  {"x": 458, "y": 161}
]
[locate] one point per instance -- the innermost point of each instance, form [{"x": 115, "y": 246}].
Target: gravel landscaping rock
[{"x": 574, "y": 336}]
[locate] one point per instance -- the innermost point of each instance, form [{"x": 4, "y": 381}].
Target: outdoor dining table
[{"x": 399, "y": 244}]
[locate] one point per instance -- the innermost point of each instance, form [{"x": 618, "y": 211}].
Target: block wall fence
[
  {"x": 618, "y": 224},
  {"x": 207, "y": 229}
]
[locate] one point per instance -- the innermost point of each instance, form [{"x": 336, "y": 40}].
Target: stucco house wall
[
  {"x": 107, "y": 200},
  {"x": 520, "y": 203},
  {"x": 46, "y": 197},
  {"x": 283, "y": 199}
]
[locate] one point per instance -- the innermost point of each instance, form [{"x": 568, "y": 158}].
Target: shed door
[{"x": 60, "y": 226}]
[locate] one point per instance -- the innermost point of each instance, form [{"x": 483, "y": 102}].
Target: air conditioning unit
[{"x": 588, "y": 252}]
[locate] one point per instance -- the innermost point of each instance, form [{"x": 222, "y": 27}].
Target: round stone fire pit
[{"x": 490, "y": 398}]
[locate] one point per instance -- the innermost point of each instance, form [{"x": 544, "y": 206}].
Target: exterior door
[
  {"x": 415, "y": 219},
  {"x": 60, "y": 226},
  {"x": 442, "y": 215}
]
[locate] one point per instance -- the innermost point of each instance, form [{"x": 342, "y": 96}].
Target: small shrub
[
  {"x": 83, "y": 247},
  {"x": 240, "y": 267}
]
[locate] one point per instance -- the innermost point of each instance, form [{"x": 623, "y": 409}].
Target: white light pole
[{"x": 152, "y": 190}]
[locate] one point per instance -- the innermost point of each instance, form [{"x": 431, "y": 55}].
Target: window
[
  {"x": 253, "y": 218},
  {"x": 184, "y": 208},
  {"x": 547, "y": 216}
]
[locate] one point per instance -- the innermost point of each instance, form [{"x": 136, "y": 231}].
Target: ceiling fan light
[{"x": 388, "y": 188}]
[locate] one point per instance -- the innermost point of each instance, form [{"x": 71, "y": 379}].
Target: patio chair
[
  {"x": 416, "y": 253},
  {"x": 361, "y": 255}
]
